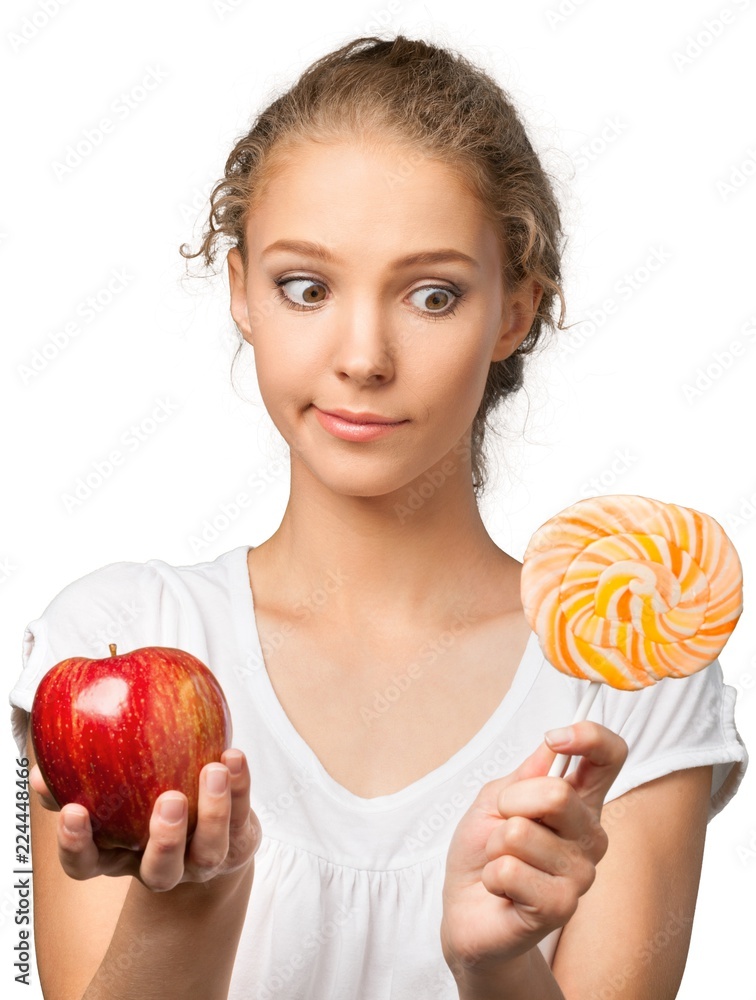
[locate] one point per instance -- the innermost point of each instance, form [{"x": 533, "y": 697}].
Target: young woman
[{"x": 393, "y": 257}]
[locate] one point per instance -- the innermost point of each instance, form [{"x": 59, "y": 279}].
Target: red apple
[{"x": 112, "y": 734}]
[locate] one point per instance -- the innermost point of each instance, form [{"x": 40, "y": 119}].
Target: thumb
[
  {"x": 37, "y": 782},
  {"x": 534, "y": 766},
  {"x": 537, "y": 764}
]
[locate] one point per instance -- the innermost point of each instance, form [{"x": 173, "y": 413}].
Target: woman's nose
[{"x": 364, "y": 346}]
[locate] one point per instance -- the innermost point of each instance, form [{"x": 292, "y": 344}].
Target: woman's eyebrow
[{"x": 309, "y": 249}]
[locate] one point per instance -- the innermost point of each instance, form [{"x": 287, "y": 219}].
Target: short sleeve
[
  {"x": 126, "y": 603},
  {"x": 675, "y": 724}
]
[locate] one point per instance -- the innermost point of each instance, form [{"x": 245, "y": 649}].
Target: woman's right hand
[{"x": 225, "y": 840}]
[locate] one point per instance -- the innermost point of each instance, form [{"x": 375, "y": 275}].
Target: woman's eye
[
  {"x": 435, "y": 299},
  {"x": 298, "y": 292},
  {"x": 311, "y": 291}
]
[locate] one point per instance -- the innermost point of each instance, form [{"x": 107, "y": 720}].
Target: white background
[{"x": 652, "y": 150}]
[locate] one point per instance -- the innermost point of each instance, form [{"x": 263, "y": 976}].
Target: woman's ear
[
  {"x": 520, "y": 308},
  {"x": 238, "y": 287}
]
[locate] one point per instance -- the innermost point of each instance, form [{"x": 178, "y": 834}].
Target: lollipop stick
[{"x": 562, "y": 760}]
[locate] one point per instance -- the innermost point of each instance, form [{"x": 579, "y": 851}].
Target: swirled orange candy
[{"x": 628, "y": 590}]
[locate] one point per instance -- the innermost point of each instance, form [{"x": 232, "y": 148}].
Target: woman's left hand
[{"x": 526, "y": 850}]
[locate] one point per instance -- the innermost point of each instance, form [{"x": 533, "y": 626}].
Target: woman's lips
[{"x": 347, "y": 430}]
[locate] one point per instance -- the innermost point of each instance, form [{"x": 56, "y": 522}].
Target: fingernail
[
  {"x": 172, "y": 810},
  {"x": 234, "y": 763},
  {"x": 74, "y": 822},
  {"x": 559, "y": 737},
  {"x": 217, "y": 779}
]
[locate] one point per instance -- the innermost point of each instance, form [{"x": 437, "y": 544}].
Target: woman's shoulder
[
  {"x": 131, "y": 604},
  {"x": 126, "y": 602},
  {"x": 678, "y": 723},
  {"x": 131, "y": 581}
]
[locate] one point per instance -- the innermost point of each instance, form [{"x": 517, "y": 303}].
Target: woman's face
[{"x": 388, "y": 300}]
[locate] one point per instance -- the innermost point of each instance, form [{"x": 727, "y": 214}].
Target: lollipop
[{"x": 625, "y": 590}]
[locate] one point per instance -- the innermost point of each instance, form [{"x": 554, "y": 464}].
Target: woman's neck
[{"x": 415, "y": 557}]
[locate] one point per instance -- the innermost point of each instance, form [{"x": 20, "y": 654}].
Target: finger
[
  {"x": 554, "y": 803},
  {"x": 540, "y": 848},
  {"x": 163, "y": 860},
  {"x": 38, "y": 784},
  {"x": 79, "y": 854},
  {"x": 538, "y": 763},
  {"x": 209, "y": 843},
  {"x": 245, "y": 833},
  {"x": 530, "y": 889},
  {"x": 603, "y": 753},
  {"x": 240, "y": 782},
  {"x": 77, "y": 851},
  {"x": 551, "y": 800}
]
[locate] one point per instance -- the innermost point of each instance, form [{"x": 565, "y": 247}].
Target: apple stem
[{"x": 112, "y": 648}]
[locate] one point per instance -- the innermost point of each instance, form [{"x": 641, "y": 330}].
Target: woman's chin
[{"x": 355, "y": 478}]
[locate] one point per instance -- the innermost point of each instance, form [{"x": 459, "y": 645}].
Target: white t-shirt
[{"x": 346, "y": 900}]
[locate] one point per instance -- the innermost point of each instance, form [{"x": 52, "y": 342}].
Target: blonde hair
[{"x": 436, "y": 102}]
